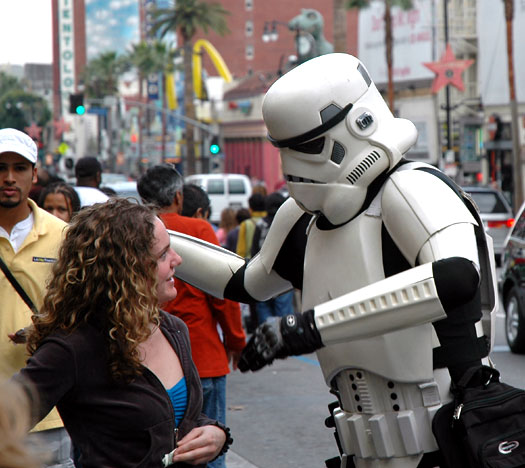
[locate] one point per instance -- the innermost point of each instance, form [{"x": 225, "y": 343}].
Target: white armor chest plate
[
  {"x": 345, "y": 259},
  {"x": 341, "y": 260}
]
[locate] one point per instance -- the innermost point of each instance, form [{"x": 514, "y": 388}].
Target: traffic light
[
  {"x": 76, "y": 104},
  {"x": 215, "y": 148}
]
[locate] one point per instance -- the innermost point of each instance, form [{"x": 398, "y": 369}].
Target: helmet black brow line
[{"x": 314, "y": 132}]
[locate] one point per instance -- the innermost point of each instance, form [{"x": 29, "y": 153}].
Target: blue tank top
[{"x": 179, "y": 399}]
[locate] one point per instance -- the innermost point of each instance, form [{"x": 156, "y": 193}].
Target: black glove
[{"x": 294, "y": 334}]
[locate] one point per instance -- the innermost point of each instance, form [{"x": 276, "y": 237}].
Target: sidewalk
[{"x": 236, "y": 461}]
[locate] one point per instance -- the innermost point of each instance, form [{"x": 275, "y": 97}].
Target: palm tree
[
  {"x": 186, "y": 17},
  {"x": 339, "y": 26},
  {"x": 101, "y": 75},
  {"x": 389, "y": 40},
  {"x": 517, "y": 178},
  {"x": 19, "y": 109},
  {"x": 147, "y": 58},
  {"x": 9, "y": 83}
]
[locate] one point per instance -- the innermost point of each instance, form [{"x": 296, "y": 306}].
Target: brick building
[
  {"x": 255, "y": 65},
  {"x": 244, "y": 50}
]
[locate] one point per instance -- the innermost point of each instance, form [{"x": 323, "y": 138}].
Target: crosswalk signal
[
  {"x": 214, "y": 145},
  {"x": 76, "y": 104}
]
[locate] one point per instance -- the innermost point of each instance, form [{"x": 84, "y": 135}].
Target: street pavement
[
  {"x": 277, "y": 416},
  {"x": 233, "y": 460}
]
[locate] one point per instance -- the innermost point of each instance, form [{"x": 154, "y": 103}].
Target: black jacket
[{"x": 113, "y": 424}]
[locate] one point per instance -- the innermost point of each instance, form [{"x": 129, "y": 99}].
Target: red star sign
[
  {"x": 448, "y": 70},
  {"x": 61, "y": 126},
  {"x": 33, "y": 131}
]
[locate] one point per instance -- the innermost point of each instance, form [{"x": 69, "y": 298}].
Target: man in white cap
[{"x": 29, "y": 242}]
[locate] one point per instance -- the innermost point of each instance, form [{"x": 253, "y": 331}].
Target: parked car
[
  {"x": 124, "y": 189},
  {"x": 224, "y": 190},
  {"x": 496, "y": 214},
  {"x": 112, "y": 177},
  {"x": 512, "y": 284}
]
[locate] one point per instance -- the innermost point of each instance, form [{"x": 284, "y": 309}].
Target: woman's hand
[
  {"x": 200, "y": 445},
  {"x": 19, "y": 337}
]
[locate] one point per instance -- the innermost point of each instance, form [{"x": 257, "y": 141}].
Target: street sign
[
  {"x": 97, "y": 110},
  {"x": 63, "y": 147}
]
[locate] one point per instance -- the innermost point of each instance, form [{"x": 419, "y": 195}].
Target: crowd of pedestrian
[
  {"x": 95, "y": 347},
  {"x": 113, "y": 369}
]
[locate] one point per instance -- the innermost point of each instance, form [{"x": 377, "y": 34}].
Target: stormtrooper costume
[{"x": 394, "y": 268}]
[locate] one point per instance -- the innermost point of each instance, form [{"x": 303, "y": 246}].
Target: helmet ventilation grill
[
  {"x": 338, "y": 153},
  {"x": 362, "y": 167}
]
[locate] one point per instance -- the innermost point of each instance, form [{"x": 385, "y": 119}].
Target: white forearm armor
[
  {"x": 210, "y": 267},
  {"x": 204, "y": 265},
  {"x": 402, "y": 301}
]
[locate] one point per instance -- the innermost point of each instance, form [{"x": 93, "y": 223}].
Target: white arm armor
[
  {"x": 426, "y": 219},
  {"x": 204, "y": 265},
  {"x": 210, "y": 267},
  {"x": 401, "y": 301},
  {"x": 428, "y": 222}
]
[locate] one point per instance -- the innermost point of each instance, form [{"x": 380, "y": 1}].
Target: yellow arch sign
[{"x": 217, "y": 60}]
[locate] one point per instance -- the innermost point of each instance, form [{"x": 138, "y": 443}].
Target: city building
[
  {"x": 260, "y": 48},
  {"x": 457, "y": 129}
]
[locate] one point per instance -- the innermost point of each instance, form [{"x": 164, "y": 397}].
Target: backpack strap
[
  {"x": 18, "y": 287},
  {"x": 448, "y": 354}
]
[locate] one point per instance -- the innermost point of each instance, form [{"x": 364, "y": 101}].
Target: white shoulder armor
[
  {"x": 285, "y": 219},
  {"x": 415, "y": 205},
  {"x": 204, "y": 265}
]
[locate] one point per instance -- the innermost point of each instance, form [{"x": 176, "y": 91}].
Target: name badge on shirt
[{"x": 44, "y": 260}]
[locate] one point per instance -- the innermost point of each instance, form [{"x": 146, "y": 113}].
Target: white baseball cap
[{"x": 15, "y": 141}]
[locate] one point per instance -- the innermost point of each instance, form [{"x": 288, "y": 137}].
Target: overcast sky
[{"x": 25, "y": 31}]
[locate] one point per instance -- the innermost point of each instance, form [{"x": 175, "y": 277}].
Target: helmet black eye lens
[{"x": 310, "y": 147}]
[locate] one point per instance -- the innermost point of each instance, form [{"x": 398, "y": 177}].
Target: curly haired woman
[{"x": 119, "y": 369}]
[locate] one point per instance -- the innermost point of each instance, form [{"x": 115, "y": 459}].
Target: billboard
[
  {"x": 413, "y": 34},
  {"x": 492, "y": 52},
  {"x": 66, "y": 46}
]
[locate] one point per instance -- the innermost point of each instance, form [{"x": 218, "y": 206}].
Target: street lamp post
[
  {"x": 270, "y": 33},
  {"x": 304, "y": 42}
]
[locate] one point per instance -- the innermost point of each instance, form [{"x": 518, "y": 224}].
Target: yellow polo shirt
[{"x": 31, "y": 266}]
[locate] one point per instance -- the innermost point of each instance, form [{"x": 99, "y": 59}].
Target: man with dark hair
[
  {"x": 162, "y": 185},
  {"x": 29, "y": 242},
  {"x": 88, "y": 172},
  {"x": 196, "y": 203}
]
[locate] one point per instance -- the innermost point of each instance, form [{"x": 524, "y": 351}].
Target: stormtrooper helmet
[{"x": 335, "y": 133}]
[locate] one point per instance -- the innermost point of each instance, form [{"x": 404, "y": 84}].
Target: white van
[{"x": 224, "y": 190}]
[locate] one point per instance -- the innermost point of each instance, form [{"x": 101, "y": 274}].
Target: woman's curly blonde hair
[{"x": 105, "y": 275}]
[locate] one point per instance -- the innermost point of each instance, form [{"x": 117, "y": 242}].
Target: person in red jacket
[{"x": 162, "y": 186}]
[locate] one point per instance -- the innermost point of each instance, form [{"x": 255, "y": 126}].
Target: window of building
[
  {"x": 249, "y": 28},
  {"x": 249, "y": 52},
  {"x": 248, "y": 5}
]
